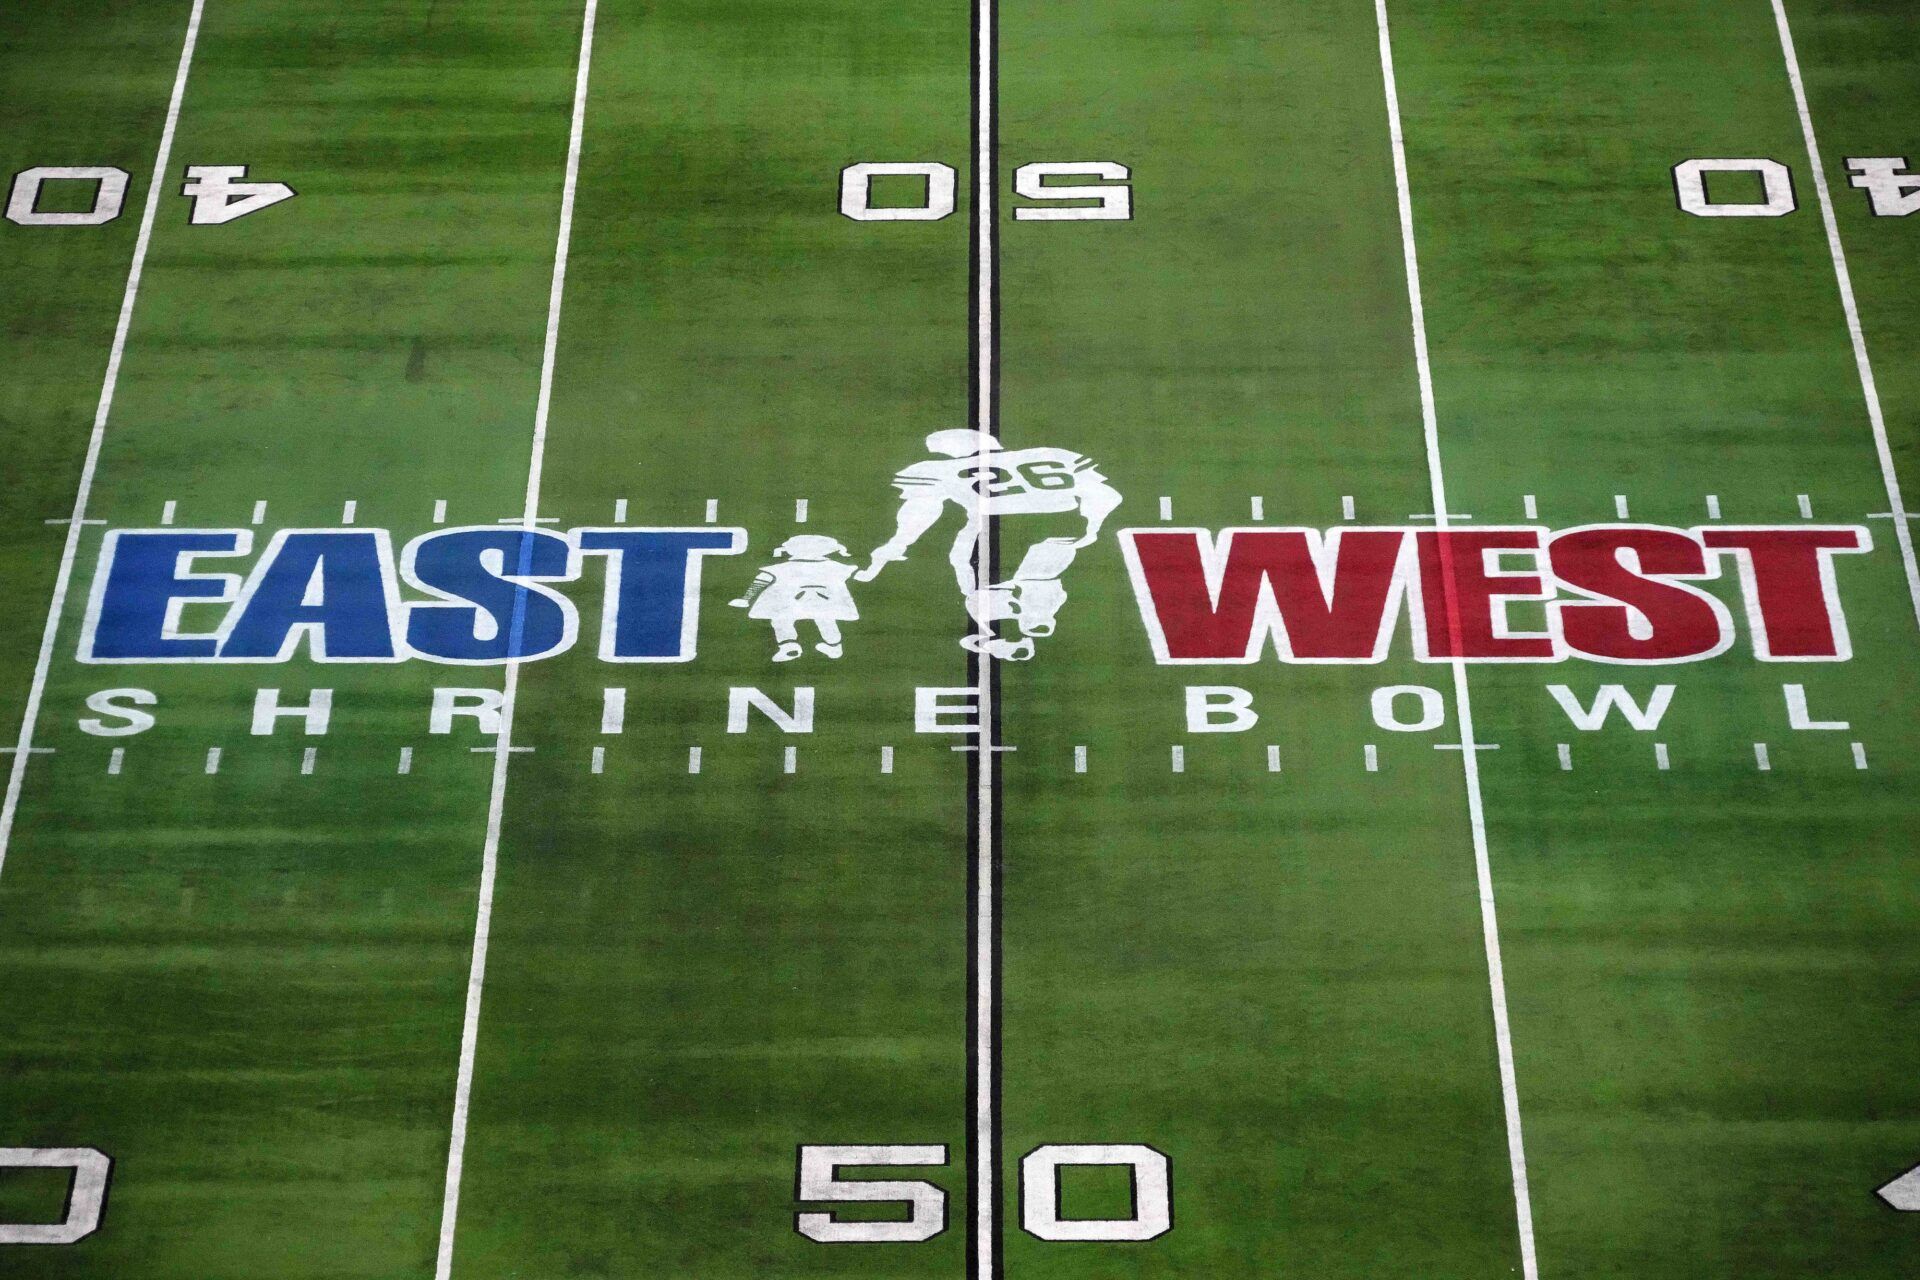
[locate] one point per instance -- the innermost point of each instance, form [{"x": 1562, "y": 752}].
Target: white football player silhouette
[{"x": 975, "y": 473}]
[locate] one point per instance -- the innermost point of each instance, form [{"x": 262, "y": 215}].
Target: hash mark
[
  {"x": 1761, "y": 760},
  {"x": 1859, "y": 755},
  {"x": 886, "y": 759},
  {"x": 166, "y": 511},
  {"x": 307, "y": 759},
  {"x": 1166, "y": 508},
  {"x": 440, "y": 511},
  {"x": 599, "y": 759},
  {"x": 693, "y": 759},
  {"x": 619, "y": 510},
  {"x": 115, "y": 759},
  {"x": 1806, "y": 506},
  {"x": 260, "y": 512},
  {"x": 1273, "y": 759},
  {"x": 713, "y": 510},
  {"x": 1713, "y": 506},
  {"x": 789, "y": 759},
  {"x": 1346, "y": 506},
  {"x": 213, "y": 760},
  {"x": 1620, "y": 505},
  {"x": 1259, "y": 506},
  {"x": 1079, "y": 759},
  {"x": 1566, "y": 758},
  {"x": 1660, "y": 760},
  {"x": 406, "y": 760},
  {"x": 1531, "y": 507},
  {"x": 1179, "y": 759},
  {"x": 799, "y": 510},
  {"x": 348, "y": 510},
  {"x": 1373, "y": 758}
]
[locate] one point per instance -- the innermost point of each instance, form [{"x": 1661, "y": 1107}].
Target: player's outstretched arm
[{"x": 916, "y": 516}]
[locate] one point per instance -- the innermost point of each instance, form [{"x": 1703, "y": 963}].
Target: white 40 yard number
[
  {"x": 1097, "y": 189},
  {"x": 220, "y": 194},
  {"x": 818, "y": 1181}
]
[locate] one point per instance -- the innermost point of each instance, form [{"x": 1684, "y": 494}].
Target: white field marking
[
  {"x": 1372, "y": 754},
  {"x": 1258, "y": 505},
  {"x": 1273, "y": 759},
  {"x": 799, "y": 510},
  {"x": 599, "y": 759},
  {"x": 1466, "y": 746},
  {"x": 1859, "y": 755},
  {"x": 168, "y": 510},
  {"x": 1166, "y": 508},
  {"x": 1805, "y": 504},
  {"x": 1529, "y": 505},
  {"x": 1660, "y": 758},
  {"x": 1566, "y": 758},
  {"x": 307, "y": 760},
  {"x": 985, "y": 928},
  {"x": 213, "y": 760},
  {"x": 1439, "y": 518},
  {"x": 1761, "y": 760},
  {"x": 1079, "y": 759},
  {"x": 440, "y": 511},
  {"x": 790, "y": 760},
  {"x": 406, "y": 760},
  {"x": 713, "y": 510},
  {"x": 1713, "y": 506},
  {"x": 348, "y": 511},
  {"x": 1620, "y": 506},
  {"x": 1179, "y": 758},
  {"x": 1863, "y": 364},
  {"x": 886, "y": 759},
  {"x": 1469, "y": 760},
  {"x": 259, "y": 512},
  {"x": 503, "y": 743},
  {"x": 619, "y": 510},
  {"x": 116, "y": 758},
  {"x": 63, "y": 578},
  {"x": 693, "y": 759},
  {"x": 1346, "y": 506}
]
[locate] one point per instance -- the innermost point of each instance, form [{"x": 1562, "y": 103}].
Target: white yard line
[
  {"x": 1469, "y": 758},
  {"x": 503, "y": 744},
  {"x": 1869, "y": 388},
  {"x": 986, "y": 1155},
  {"x": 76, "y": 524}
]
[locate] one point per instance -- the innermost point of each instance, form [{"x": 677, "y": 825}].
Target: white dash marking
[
  {"x": 619, "y": 510},
  {"x": 1179, "y": 759},
  {"x": 1079, "y": 759},
  {"x": 1373, "y": 758},
  {"x": 1531, "y": 506},
  {"x": 789, "y": 759},
  {"x": 713, "y": 510},
  {"x": 1346, "y": 506},
  {"x": 1620, "y": 505},
  {"x": 167, "y": 511},
  {"x": 406, "y": 760},
  {"x": 1761, "y": 760},
  {"x": 349, "y": 510},
  {"x": 260, "y": 512},
  {"x": 1859, "y": 755},
  {"x": 1259, "y": 508},
  {"x": 1566, "y": 758},
  {"x": 213, "y": 760},
  {"x": 599, "y": 759},
  {"x": 1660, "y": 758},
  {"x": 440, "y": 511},
  {"x": 886, "y": 759},
  {"x": 116, "y": 758},
  {"x": 799, "y": 510},
  {"x": 1806, "y": 505},
  {"x": 1713, "y": 506},
  {"x": 307, "y": 759},
  {"x": 693, "y": 759},
  {"x": 1273, "y": 759},
  {"x": 1166, "y": 508}
]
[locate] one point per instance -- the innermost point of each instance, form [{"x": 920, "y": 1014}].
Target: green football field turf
[{"x": 1500, "y": 995}]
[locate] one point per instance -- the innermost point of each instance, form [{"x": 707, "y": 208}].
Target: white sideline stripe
[
  {"x": 1869, "y": 388},
  {"x": 1469, "y": 760},
  {"x": 503, "y": 745},
  {"x": 63, "y": 579}
]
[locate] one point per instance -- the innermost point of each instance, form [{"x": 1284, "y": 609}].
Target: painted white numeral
[
  {"x": 86, "y": 1197},
  {"x": 1040, "y": 1193},
  {"x": 819, "y": 1181},
  {"x": 1690, "y": 184},
  {"x": 1894, "y": 192},
  {"x": 23, "y": 204},
  {"x": 220, "y": 195},
  {"x": 856, "y": 192},
  {"x": 1116, "y": 201}
]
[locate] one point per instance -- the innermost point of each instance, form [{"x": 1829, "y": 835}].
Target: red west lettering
[
  {"x": 1787, "y": 574},
  {"x": 1652, "y": 620},
  {"x": 1458, "y": 593}
]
